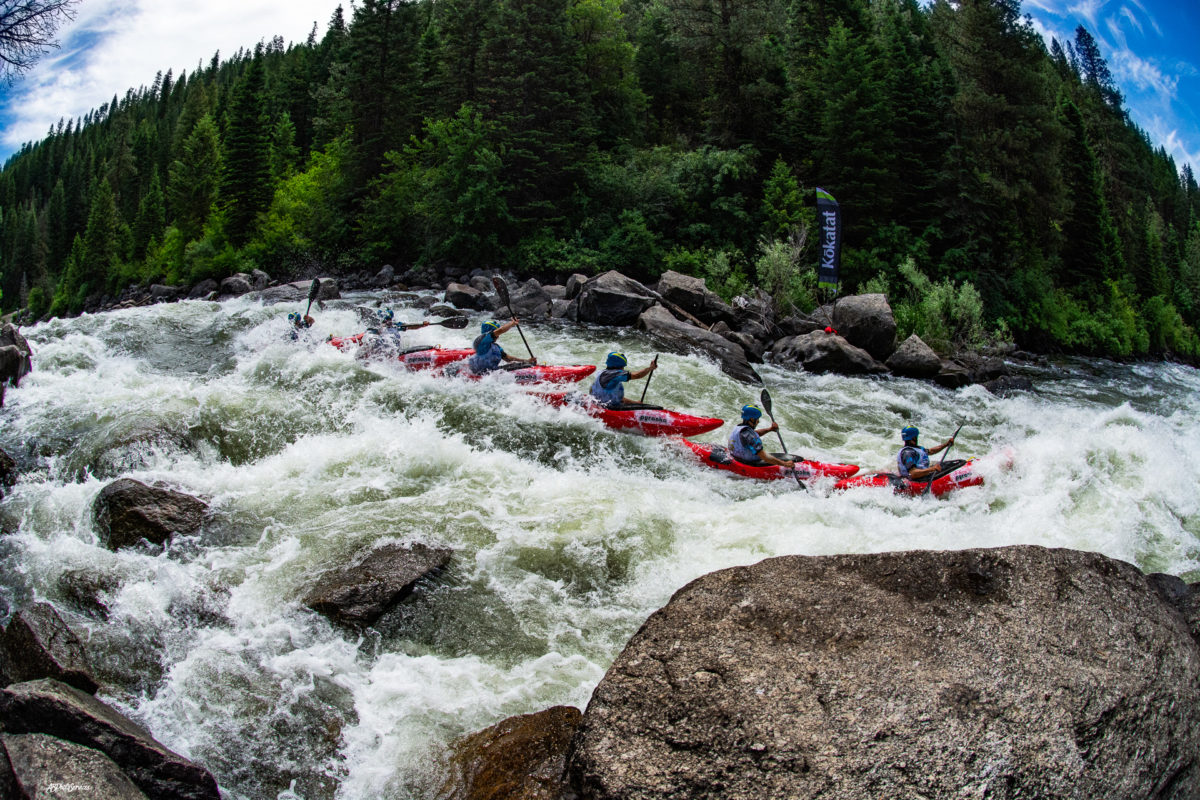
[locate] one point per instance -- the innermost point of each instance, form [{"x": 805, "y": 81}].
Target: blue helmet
[
  {"x": 751, "y": 412},
  {"x": 489, "y": 326},
  {"x": 909, "y": 434},
  {"x": 616, "y": 361},
  {"x": 386, "y": 314}
]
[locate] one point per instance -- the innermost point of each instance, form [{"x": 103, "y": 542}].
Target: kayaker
[
  {"x": 386, "y": 334},
  {"x": 745, "y": 443},
  {"x": 488, "y": 353},
  {"x": 609, "y": 386},
  {"x": 913, "y": 460},
  {"x": 300, "y": 323}
]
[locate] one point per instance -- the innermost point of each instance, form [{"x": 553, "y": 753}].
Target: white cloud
[
  {"x": 1130, "y": 69},
  {"x": 1089, "y": 10},
  {"x": 116, "y": 45},
  {"x": 1164, "y": 133}
]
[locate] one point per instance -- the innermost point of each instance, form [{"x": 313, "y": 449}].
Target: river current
[{"x": 567, "y": 535}]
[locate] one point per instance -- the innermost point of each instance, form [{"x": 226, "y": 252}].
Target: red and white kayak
[
  {"x": 961, "y": 475},
  {"x": 645, "y": 419},
  {"x": 719, "y": 457},
  {"x": 425, "y": 357}
]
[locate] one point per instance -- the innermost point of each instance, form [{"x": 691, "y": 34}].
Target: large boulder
[
  {"x": 38, "y": 644},
  {"x": 574, "y": 284},
  {"x": 529, "y": 300},
  {"x": 8, "y": 471},
  {"x": 610, "y": 299},
  {"x": 914, "y": 359},
  {"x": 16, "y": 356},
  {"x": 520, "y": 757},
  {"x": 825, "y": 352},
  {"x": 693, "y": 296},
  {"x": 866, "y": 321},
  {"x": 56, "y": 709},
  {"x": 297, "y": 291},
  {"x": 236, "y": 285},
  {"x": 460, "y": 295},
  {"x": 358, "y": 595},
  {"x": 48, "y": 768},
  {"x": 127, "y": 511},
  {"x": 204, "y": 288},
  {"x": 1013, "y": 672},
  {"x": 683, "y": 337}
]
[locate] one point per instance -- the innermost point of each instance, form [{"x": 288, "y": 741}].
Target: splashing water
[{"x": 567, "y": 535}]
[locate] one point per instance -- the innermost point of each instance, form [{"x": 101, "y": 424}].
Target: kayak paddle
[
  {"x": 946, "y": 452},
  {"x": 648, "y": 377},
  {"x": 502, "y": 291},
  {"x": 766, "y": 401},
  {"x": 313, "y": 291},
  {"x": 452, "y": 322}
]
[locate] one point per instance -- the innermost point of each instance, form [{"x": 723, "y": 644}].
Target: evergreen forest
[{"x": 988, "y": 182}]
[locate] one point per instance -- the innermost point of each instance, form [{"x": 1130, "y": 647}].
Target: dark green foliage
[
  {"x": 194, "y": 178},
  {"x": 151, "y": 218}
]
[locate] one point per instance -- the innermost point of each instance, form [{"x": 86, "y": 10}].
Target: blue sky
[
  {"x": 1152, "y": 48},
  {"x": 1153, "y": 51}
]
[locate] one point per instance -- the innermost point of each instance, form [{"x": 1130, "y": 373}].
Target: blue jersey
[
  {"x": 745, "y": 444},
  {"x": 609, "y": 387},
  {"x": 912, "y": 457},
  {"x": 488, "y": 354}
]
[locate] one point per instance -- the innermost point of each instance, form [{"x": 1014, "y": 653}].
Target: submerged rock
[
  {"x": 50, "y": 707},
  {"x": 127, "y": 511},
  {"x": 358, "y": 595},
  {"x": 520, "y": 757},
  {"x": 1013, "y": 672}
]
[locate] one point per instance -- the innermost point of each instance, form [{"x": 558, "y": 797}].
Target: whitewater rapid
[{"x": 567, "y": 535}]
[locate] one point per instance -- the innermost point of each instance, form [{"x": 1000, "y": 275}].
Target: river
[{"x": 567, "y": 535}]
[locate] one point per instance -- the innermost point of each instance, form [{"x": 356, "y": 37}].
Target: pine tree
[
  {"x": 462, "y": 24},
  {"x": 284, "y": 153},
  {"x": 783, "y": 203},
  {"x": 194, "y": 177},
  {"x": 151, "y": 218},
  {"x": 101, "y": 243},
  {"x": 1091, "y": 239},
  {"x": 246, "y": 186}
]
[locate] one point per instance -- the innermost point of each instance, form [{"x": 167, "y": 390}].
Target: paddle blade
[
  {"x": 501, "y": 289},
  {"x": 452, "y": 322},
  {"x": 765, "y": 398},
  {"x": 313, "y": 291}
]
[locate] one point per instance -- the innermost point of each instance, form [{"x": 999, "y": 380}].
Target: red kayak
[
  {"x": 535, "y": 373},
  {"x": 638, "y": 417},
  {"x": 719, "y": 457},
  {"x": 423, "y": 357},
  {"x": 957, "y": 474}
]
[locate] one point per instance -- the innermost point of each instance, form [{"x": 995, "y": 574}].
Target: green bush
[
  {"x": 779, "y": 272},
  {"x": 946, "y": 317}
]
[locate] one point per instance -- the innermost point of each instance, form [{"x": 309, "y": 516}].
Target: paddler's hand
[
  {"x": 790, "y": 464},
  {"x": 774, "y": 426},
  {"x": 654, "y": 364}
]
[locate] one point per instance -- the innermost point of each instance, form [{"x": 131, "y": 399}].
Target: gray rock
[
  {"x": 914, "y": 359},
  {"x": 358, "y": 595},
  {"x": 462, "y": 296},
  {"x": 481, "y": 283},
  {"x": 755, "y": 315},
  {"x": 529, "y": 300},
  {"x": 425, "y": 301},
  {"x": 203, "y": 289},
  {"x": 259, "y": 280},
  {"x": 555, "y": 291},
  {"x": 574, "y": 284},
  {"x": 826, "y": 352},
  {"x": 752, "y": 347},
  {"x": 236, "y": 285},
  {"x": 38, "y": 644},
  {"x": 127, "y": 511},
  {"x": 16, "y": 356},
  {"x": 1019, "y": 672},
  {"x": 866, "y": 321},
  {"x": 559, "y": 309},
  {"x": 953, "y": 375},
  {"x": 86, "y": 588},
  {"x": 162, "y": 294},
  {"x": 48, "y": 768},
  {"x": 519, "y": 757},
  {"x": 693, "y": 296},
  {"x": 1007, "y": 385},
  {"x": 611, "y": 299},
  {"x": 297, "y": 292},
  {"x": 56, "y": 709},
  {"x": 385, "y": 277},
  {"x": 683, "y": 337}
]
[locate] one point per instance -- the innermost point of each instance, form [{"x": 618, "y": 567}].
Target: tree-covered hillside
[{"x": 558, "y": 136}]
